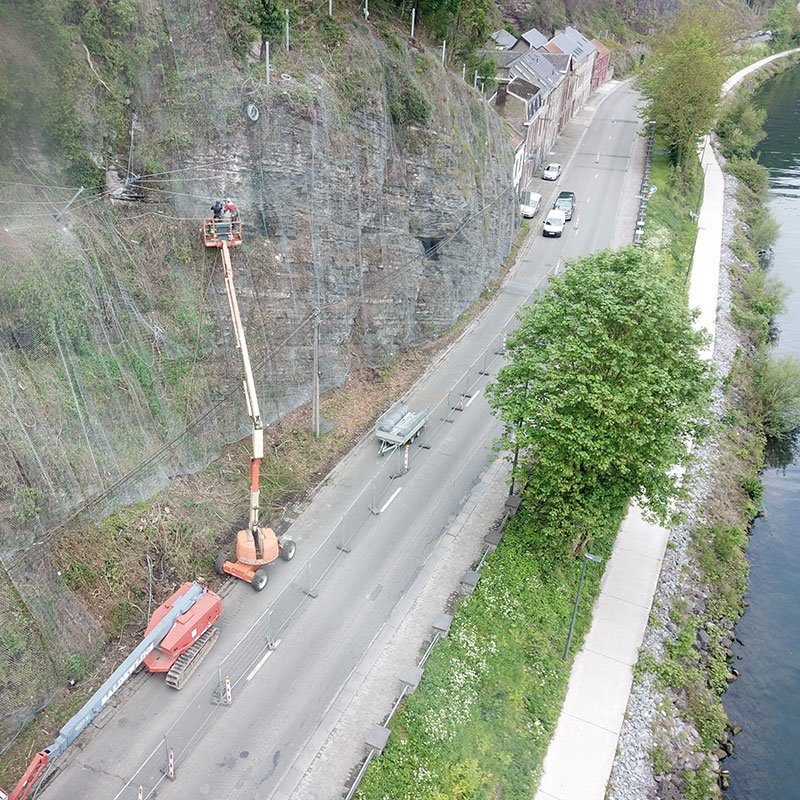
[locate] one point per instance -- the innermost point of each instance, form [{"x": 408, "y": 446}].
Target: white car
[
  {"x": 554, "y": 223},
  {"x": 529, "y": 203},
  {"x": 552, "y": 172}
]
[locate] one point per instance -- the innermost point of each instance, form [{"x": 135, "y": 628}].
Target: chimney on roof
[{"x": 502, "y": 94}]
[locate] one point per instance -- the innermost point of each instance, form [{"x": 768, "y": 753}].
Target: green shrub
[
  {"x": 121, "y": 615},
  {"x": 778, "y": 384},
  {"x": 658, "y": 756},
  {"x": 76, "y": 665},
  {"x": 720, "y": 553},
  {"x": 699, "y": 783},
  {"x": 764, "y": 231},
  {"x": 408, "y": 103},
  {"x": 238, "y": 27},
  {"x": 740, "y": 127},
  {"x": 731, "y": 418},
  {"x": 783, "y": 19},
  {"x": 480, "y": 721},
  {"x": 751, "y": 173},
  {"x": 669, "y": 225},
  {"x": 331, "y": 32},
  {"x": 79, "y": 575},
  {"x": 754, "y": 488},
  {"x": 25, "y": 502},
  {"x": 41, "y": 86},
  {"x": 705, "y": 711},
  {"x": 760, "y": 299}
]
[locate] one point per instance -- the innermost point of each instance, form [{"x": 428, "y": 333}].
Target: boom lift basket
[{"x": 219, "y": 231}]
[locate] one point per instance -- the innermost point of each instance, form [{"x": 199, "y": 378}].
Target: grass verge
[
  {"x": 480, "y": 721},
  {"x": 670, "y": 223}
]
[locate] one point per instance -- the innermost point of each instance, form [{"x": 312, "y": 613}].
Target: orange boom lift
[{"x": 255, "y": 547}]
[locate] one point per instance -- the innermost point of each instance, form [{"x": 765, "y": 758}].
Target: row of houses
[{"x": 542, "y": 84}]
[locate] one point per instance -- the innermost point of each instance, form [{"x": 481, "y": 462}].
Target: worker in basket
[
  {"x": 230, "y": 212},
  {"x": 223, "y": 226}
]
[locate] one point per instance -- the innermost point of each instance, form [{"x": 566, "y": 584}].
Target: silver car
[{"x": 552, "y": 172}]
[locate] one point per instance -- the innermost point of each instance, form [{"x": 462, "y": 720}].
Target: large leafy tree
[
  {"x": 681, "y": 81},
  {"x": 603, "y": 388},
  {"x": 465, "y": 24}
]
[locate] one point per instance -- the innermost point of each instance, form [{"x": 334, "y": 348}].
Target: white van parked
[{"x": 554, "y": 223}]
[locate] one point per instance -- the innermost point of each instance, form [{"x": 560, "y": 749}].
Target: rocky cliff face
[
  {"x": 390, "y": 229},
  {"x": 374, "y": 187},
  {"x": 596, "y": 17}
]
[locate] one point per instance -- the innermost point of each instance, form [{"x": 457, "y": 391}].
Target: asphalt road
[{"x": 250, "y": 749}]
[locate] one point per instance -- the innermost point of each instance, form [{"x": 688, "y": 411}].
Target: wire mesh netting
[
  {"x": 118, "y": 370},
  {"x": 113, "y": 380}
]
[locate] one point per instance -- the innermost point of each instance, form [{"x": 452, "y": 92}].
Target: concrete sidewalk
[
  {"x": 582, "y": 751},
  {"x": 581, "y": 754}
]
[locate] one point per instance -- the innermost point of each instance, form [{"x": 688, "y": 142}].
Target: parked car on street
[
  {"x": 566, "y": 203},
  {"x": 529, "y": 203},
  {"x": 552, "y": 172},
  {"x": 554, "y": 223}
]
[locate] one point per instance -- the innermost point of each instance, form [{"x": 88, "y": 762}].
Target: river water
[{"x": 765, "y": 700}]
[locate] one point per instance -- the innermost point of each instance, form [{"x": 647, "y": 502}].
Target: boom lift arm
[
  {"x": 249, "y": 389},
  {"x": 255, "y": 547}
]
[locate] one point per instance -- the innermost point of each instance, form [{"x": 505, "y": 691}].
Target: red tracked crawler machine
[
  {"x": 179, "y": 636},
  {"x": 255, "y": 547}
]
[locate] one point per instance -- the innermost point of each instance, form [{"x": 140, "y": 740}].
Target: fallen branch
[{"x": 96, "y": 73}]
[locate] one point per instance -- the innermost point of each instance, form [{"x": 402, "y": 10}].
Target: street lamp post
[
  {"x": 513, "y": 471},
  {"x": 586, "y": 557}
]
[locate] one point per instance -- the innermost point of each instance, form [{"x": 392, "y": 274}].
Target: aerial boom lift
[
  {"x": 179, "y": 636},
  {"x": 255, "y": 547}
]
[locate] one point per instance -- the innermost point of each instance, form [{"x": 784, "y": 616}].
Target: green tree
[
  {"x": 604, "y": 386},
  {"x": 783, "y": 19},
  {"x": 681, "y": 81},
  {"x": 465, "y": 24},
  {"x": 268, "y": 18},
  {"x": 247, "y": 20}
]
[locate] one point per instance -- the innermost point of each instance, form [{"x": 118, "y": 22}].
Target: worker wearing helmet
[{"x": 232, "y": 213}]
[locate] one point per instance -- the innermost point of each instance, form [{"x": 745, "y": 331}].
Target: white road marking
[
  {"x": 472, "y": 398},
  {"x": 596, "y": 175},
  {"x": 389, "y": 501},
  {"x": 263, "y": 661}
]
